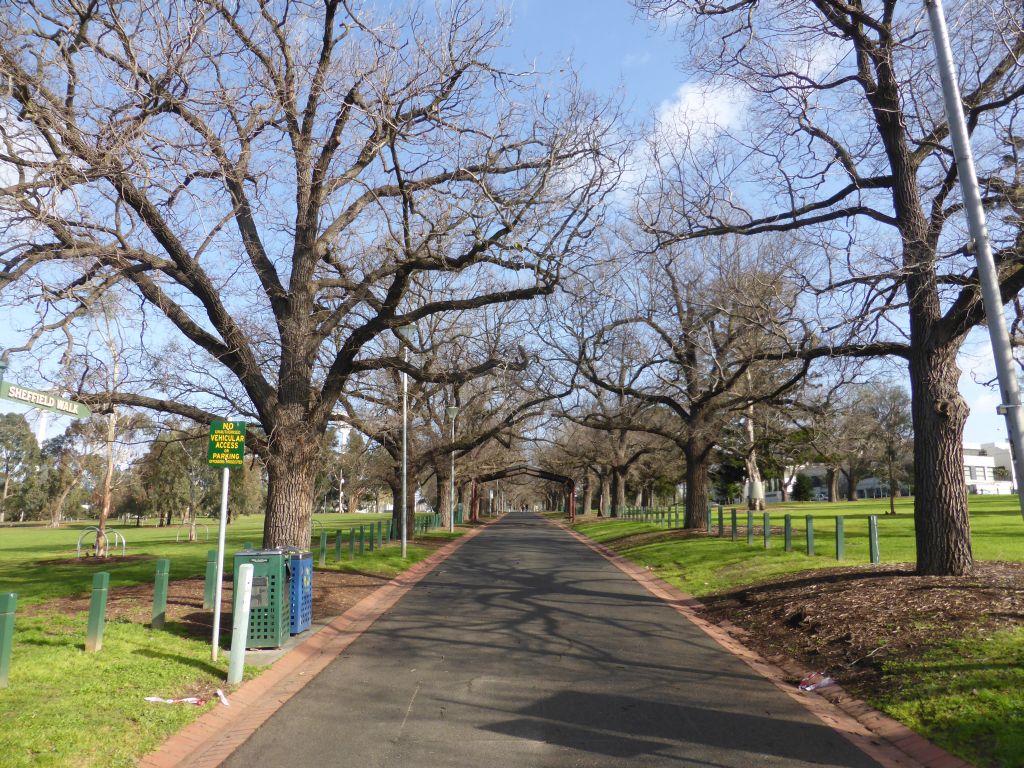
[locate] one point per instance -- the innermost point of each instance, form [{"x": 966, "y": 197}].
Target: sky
[{"x": 618, "y": 54}]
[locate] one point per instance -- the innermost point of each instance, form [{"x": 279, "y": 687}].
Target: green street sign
[
  {"x": 227, "y": 444},
  {"x": 42, "y": 400}
]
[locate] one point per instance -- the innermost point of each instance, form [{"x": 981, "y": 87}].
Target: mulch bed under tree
[{"x": 847, "y": 621}]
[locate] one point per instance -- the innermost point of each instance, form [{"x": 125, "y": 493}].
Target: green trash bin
[{"x": 269, "y": 609}]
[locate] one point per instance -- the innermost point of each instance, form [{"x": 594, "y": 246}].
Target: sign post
[{"x": 226, "y": 449}]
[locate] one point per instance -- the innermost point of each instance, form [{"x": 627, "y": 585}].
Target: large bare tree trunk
[
  {"x": 606, "y": 495},
  {"x": 942, "y": 525},
  {"x": 697, "y": 477},
  {"x": 444, "y": 500},
  {"x": 588, "y": 494},
  {"x": 832, "y": 479},
  {"x": 755, "y": 500},
  {"x": 291, "y": 473}
]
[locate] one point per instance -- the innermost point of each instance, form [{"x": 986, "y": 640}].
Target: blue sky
[{"x": 615, "y": 52}]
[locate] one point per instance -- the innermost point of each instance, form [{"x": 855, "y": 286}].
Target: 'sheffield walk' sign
[
  {"x": 42, "y": 400},
  {"x": 227, "y": 444}
]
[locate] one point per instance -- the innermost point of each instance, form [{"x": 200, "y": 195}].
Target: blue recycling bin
[{"x": 301, "y": 590}]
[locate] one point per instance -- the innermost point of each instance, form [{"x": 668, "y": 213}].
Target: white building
[{"x": 987, "y": 468}]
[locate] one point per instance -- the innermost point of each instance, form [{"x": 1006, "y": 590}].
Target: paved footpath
[{"x": 526, "y": 648}]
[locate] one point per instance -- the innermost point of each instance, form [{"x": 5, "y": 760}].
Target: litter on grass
[
  {"x": 197, "y": 701},
  {"x": 186, "y": 700},
  {"x": 814, "y": 681}
]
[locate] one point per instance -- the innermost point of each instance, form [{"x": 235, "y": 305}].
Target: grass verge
[
  {"x": 962, "y": 690},
  {"x": 69, "y": 709}
]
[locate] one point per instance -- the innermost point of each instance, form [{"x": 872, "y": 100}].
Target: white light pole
[
  {"x": 452, "y": 411},
  {"x": 988, "y": 277},
  {"x": 344, "y": 431},
  {"x": 405, "y": 332}
]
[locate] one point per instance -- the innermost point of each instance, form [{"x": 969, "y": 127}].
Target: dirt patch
[
  {"x": 90, "y": 560},
  {"x": 334, "y": 593},
  {"x": 847, "y": 621}
]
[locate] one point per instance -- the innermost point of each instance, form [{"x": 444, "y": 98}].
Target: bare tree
[
  {"x": 685, "y": 328},
  {"x": 269, "y": 180},
  {"x": 845, "y": 141}
]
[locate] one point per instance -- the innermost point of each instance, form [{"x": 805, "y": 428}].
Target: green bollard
[
  {"x": 373, "y": 536},
  {"x": 210, "y": 585},
  {"x": 873, "y": 538},
  {"x": 840, "y": 538},
  {"x": 323, "y": 548},
  {"x": 767, "y": 529},
  {"x": 721, "y": 524},
  {"x": 809, "y": 522},
  {"x": 789, "y": 533},
  {"x": 8, "y": 605},
  {"x": 337, "y": 545},
  {"x": 750, "y": 527},
  {"x": 677, "y": 517},
  {"x": 709, "y": 519},
  {"x": 97, "y": 612},
  {"x": 362, "y": 540},
  {"x": 163, "y": 574},
  {"x": 351, "y": 543}
]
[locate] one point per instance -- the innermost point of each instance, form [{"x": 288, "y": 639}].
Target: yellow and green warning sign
[{"x": 227, "y": 444}]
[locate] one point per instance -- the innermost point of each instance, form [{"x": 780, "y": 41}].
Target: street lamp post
[
  {"x": 452, "y": 411},
  {"x": 405, "y": 332}
]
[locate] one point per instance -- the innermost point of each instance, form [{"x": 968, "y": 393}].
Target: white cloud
[
  {"x": 699, "y": 111},
  {"x": 636, "y": 59}
]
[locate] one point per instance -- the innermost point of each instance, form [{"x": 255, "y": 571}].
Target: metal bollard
[
  {"x": 240, "y": 624},
  {"x": 163, "y": 574},
  {"x": 210, "y": 585},
  {"x": 809, "y": 522},
  {"x": 380, "y": 533},
  {"x": 8, "y": 606},
  {"x": 337, "y": 545},
  {"x": 733, "y": 521},
  {"x": 750, "y": 528},
  {"x": 351, "y": 543},
  {"x": 323, "y": 548},
  {"x": 767, "y": 529},
  {"x": 873, "y": 538},
  {"x": 362, "y": 540},
  {"x": 788, "y": 533},
  {"x": 97, "y": 612},
  {"x": 840, "y": 538},
  {"x": 721, "y": 524}
]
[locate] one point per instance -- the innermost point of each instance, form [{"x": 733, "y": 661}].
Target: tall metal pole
[
  {"x": 405, "y": 452},
  {"x": 988, "y": 277},
  {"x": 451, "y": 491}
]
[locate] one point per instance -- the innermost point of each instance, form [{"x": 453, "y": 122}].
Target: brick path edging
[
  {"x": 209, "y": 741},
  {"x": 885, "y": 740}
]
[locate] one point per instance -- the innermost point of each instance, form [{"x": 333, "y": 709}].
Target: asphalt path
[{"x": 526, "y": 648}]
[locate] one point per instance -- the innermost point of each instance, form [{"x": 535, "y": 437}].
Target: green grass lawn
[
  {"x": 27, "y": 554},
  {"x": 966, "y": 695},
  {"x": 703, "y": 565},
  {"x": 70, "y": 709}
]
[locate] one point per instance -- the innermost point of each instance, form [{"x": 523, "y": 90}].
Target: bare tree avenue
[
  {"x": 266, "y": 181},
  {"x": 681, "y": 332},
  {"x": 844, "y": 140}
]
